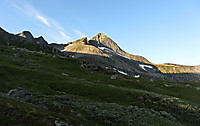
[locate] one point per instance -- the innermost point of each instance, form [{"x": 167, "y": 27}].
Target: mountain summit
[
  {"x": 27, "y": 35},
  {"x": 101, "y": 40}
]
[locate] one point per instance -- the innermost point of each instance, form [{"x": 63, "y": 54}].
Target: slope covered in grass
[{"x": 72, "y": 94}]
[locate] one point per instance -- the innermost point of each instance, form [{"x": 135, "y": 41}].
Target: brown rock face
[
  {"x": 101, "y": 40},
  {"x": 82, "y": 46}
]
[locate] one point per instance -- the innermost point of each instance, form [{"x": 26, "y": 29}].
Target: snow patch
[
  {"x": 167, "y": 85},
  {"x": 62, "y": 50},
  {"x": 137, "y": 76},
  {"x": 112, "y": 85},
  {"x": 143, "y": 66},
  {"x": 72, "y": 56},
  {"x": 103, "y": 48},
  {"x": 114, "y": 69},
  {"x": 66, "y": 47},
  {"x": 69, "y": 45},
  {"x": 121, "y": 72},
  {"x": 65, "y": 74},
  {"x": 188, "y": 85}
]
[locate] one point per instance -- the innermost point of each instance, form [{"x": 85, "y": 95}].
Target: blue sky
[{"x": 163, "y": 31}]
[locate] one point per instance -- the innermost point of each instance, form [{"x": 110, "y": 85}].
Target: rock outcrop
[
  {"x": 82, "y": 46},
  {"x": 91, "y": 66},
  {"x": 41, "y": 40},
  {"x": 29, "y": 37},
  {"x": 26, "y": 34},
  {"x": 21, "y": 93}
]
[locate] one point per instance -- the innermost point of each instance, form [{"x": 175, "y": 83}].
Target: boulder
[
  {"x": 21, "y": 93},
  {"x": 59, "y": 123}
]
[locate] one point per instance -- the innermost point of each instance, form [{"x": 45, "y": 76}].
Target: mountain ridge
[{"x": 93, "y": 46}]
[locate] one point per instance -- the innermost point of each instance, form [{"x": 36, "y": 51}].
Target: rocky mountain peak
[
  {"x": 84, "y": 39},
  {"x": 101, "y": 40},
  {"x": 27, "y": 35}
]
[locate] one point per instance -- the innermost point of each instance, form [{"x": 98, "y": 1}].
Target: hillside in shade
[{"x": 91, "y": 83}]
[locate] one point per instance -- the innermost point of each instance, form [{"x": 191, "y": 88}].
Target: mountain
[
  {"x": 104, "y": 52},
  {"x": 85, "y": 84},
  {"x": 24, "y": 36},
  {"x": 29, "y": 37},
  {"x": 101, "y": 40},
  {"x": 101, "y": 45}
]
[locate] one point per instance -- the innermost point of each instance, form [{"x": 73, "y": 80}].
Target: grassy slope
[{"x": 88, "y": 97}]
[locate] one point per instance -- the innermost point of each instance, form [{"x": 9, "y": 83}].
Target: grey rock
[
  {"x": 17, "y": 55},
  {"x": 21, "y": 93},
  {"x": 59, "y": 123},
  {"x": 41, "y": 40}
]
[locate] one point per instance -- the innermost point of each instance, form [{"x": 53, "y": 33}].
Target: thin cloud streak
[
  {"x": 66, "y": 36},
  {"x": 42, "y": 19},
  {"x": 30, "y": 11}
]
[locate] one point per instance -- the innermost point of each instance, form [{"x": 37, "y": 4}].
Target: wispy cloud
[
  {"x": 66, "y": 36},
  {"x": 44, "y": 20},
  {"x": 53, "y": 27},
  {"x": 79, "y": 33}
]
